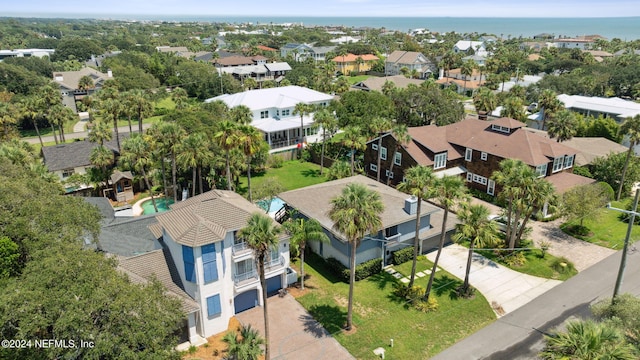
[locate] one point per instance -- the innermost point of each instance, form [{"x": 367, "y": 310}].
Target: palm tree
[
  {"x": 448, "y": 192},
  {"x": 343, "y": 53},
  {"x": 241, "y": 115},
  {"x": 140, "y": 101},
  {"x": 513, "y": 108},
  {"x": 244, "y": 344},
  {"x": 562, "y": 126},
  {"x": 588, "y": 340},
  {"x": 30, "y": 107},
  {"x": 111, "y": 108},
  {"x": 103, "y": 158},
  {"x": 60, "y": 115},
  {"x": 325, "y": 119},
  {"x": 355, "y": 213},
  {"x": 137, "y": 153},
  {"x": 378, "y": 126},
  {"x": 485, "y": 101},
  {"x": 172, "y": 136},
  {"x": 127, "y": 107},
  {"x": 49, "y": 97},
  {"x": 417, "y": 182},
  {"x": 261, "y": 235},
  {"x": 359, "y": 62},
  {"x": 228, "y": 139},
  {"x": 476, "y": 228},
  {"x": 100, "y": 132},
  {"x": 180, "y": 97},
  {"x": 354, "y": 141},
  {"x": 549, "y": 104},
  {"x": 189, "y": 155},
  {"x": 302, "y": 231},
  {"x": 251, "y": 141},
  {"x": 85, "y": 83},
  {"x": 467, "y": 70},
  {"x": 302, "y": 109},
  {"x": 630, "y": 128},
  {"x": 400, "y": 132},
  {"x": 7, "y": 120}
]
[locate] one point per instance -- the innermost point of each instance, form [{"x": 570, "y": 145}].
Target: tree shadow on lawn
[
  {"x": 319, "y": 265},
  {"x": 310, "y": 173},
  {"x": 382, "y": 279},
  {"x": 324, "y": 317},
  {"x": 444, "y": 284}
]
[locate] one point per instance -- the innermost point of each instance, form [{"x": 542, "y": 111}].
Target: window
[
  {"x": 374, "y": 146},
  {"x": 568, "y": 161},
  {"x": 557, "y": 164},
  {"x": 503, "y": 129},
  {"x": 440, "y": 161},
  {"x": 213, "y": 305},
  {"x": 469, "y": 176},
  {"x": 389, "y": 174},
  {"x": 391, "y": 231},
  {"x": 373, "y": 167},
  {"x": 286, "y": 112},
  {"x": 479, "y": 179},
  {"x": 189, "y": 264},
  {"x": 468, "y": 154},
  {"x": 397, "y": 159},
  {"x": 383, "y": 153},
  {"x": 67, "y": 172},
  {"x": 541, "y": 170},
  {"x": 483, "y": 156},
  {"x": 209, "y": 263},
  {"x": 491, "y": 187},
  {"x": 264, "y": 114}
]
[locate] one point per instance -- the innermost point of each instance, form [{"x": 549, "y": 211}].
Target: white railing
[
  {"x": 238, "y": 278},
  {"x": 275, "y": 263},
  {"x": 283, "y": 143},
  {"x": 239, "y": 247}
]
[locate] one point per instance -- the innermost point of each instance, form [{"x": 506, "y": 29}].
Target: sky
[{"x": 348, "y": 8}]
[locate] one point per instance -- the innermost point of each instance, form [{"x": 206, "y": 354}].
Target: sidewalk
[{"x": 504, "y": 289}]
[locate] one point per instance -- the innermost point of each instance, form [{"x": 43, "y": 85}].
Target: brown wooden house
[
  {"x": 473, "y": 149},
  {"x": 121, "y": 186}
]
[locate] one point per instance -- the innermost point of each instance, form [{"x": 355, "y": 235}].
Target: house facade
[
  {"x": 411, "y": 60},
  {"x": 398, "y": 221},
  {"x": 472, "y": 149},
  {"x": 350, "y": 64},
  {"x": 273, "y": 113},
  {"x": 68, "y": 82},
  {"x": 215, "y": 267},
  {"x": 301, "y": 52},
  {"x": 468, "y": 46}
]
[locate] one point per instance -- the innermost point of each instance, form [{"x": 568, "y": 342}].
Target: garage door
[
  {"x": 273, "y": 285},
  {"x": 246, "y": 301}
]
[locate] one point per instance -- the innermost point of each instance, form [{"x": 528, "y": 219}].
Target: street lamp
[{"x": 623, "y": 261}]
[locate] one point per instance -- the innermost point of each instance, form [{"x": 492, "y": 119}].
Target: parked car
[{"x": 500, "y": 220}]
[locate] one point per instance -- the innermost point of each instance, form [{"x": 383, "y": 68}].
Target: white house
[
  {"x": 301, "y": 52},
  {"x": 617, "y": 108},
  {"x": 273, "y": 113},
  {"x": 463, "y": 46},
  {"x": 211, "y": 264}
]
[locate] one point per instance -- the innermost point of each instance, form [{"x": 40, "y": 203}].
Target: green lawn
[
  {"x": 380, "y": 316},
  {"x": 535, "y": 264},
  {"x": 607, "y": 229},
  {"x": 292, "y": 175},
  {"x": 356, "y": 79}
]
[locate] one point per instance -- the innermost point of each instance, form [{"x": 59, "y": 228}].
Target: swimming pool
[
  {"x": 161, "y": 203},
  {"x": 276, "y": 204}
]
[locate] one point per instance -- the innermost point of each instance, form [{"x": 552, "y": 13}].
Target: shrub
[
  {"x": 363, "y": 270},
  {"x": 410, "y": 293},
  {"x": 544, "y": 246},
  {"x": 466, "y": 292},
  {"x": 402, "y": 256},
  {"x": 337, "y": 269},
  {"x": 515, "y": 259},
  {"x": 275, "y": 161},
  {"x": 562, "y": 265},
  {"x": 607, "y": 190},
  {"x": 427, "y": 306}
]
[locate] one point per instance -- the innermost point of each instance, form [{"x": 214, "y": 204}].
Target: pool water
[
  {"x": 276, "y": 204},
  {"x": 161, "y": 203}
]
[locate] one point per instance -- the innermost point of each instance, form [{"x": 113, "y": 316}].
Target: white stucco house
[
  {"x": 212, "y": 269},
  {"x": 464, "y": 46},
  {"x": 273, "y": 113}
]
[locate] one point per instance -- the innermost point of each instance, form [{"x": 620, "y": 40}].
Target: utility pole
[{"x": 623, "y": 261}]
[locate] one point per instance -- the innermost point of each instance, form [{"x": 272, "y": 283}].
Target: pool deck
[{"x": 137, "y": 207}]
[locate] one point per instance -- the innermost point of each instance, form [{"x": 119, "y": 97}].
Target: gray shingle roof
[
  {"x": 75, "y": 154},
  {"x": 160, "y": 265},
  {"x": 129, "y": 237}
]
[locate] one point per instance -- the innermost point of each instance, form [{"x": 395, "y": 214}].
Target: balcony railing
[
  {"x": 240, "y": 248},
  {"x": 283, "y": 143},
  {"x": 251, "y": 275},
  {"x": 274, "y": 264}
]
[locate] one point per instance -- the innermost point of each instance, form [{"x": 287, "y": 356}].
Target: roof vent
[{"x": 411, "y": 205}]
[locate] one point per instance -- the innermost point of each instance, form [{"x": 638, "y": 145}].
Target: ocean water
[{"x": 624, "y": 28}]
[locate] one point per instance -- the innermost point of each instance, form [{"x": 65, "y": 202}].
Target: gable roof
[
  {"x": 315, "y": 201},
  {"x": 129, "y": 236},
  {"x": 406, "y": 57},
  {"x": 375, "y": 83},
  {"x": 158, "y": 264},
  {"x": 564, "y": 181},
  {"x": 464, "y": 45},
  {"x": 119, "y": 175},
  {"x": 70, "y": 79},
  {"x": 590, "y": 148},
  {"x": 75, "y": 154},
  {"x": 206, "y": 218}
]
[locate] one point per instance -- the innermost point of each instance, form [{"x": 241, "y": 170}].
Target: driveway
[
  {"x": 581, "y": 253},
  {"x": 295, "y": 334},
  {"x": 505, "y": 289}
]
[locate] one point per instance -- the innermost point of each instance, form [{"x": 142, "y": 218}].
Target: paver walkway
[
  {"x": 505, "y": 289},
  {"x": 294, "y": 333}
]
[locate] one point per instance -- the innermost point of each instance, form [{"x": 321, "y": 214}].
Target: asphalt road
[
  {"x": 519, "y": 335},
  {"x": 83, "y": 134}
]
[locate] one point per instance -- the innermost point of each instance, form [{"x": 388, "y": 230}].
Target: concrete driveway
[
  {"x": 505, "y": 289},
  {"x": 294, "y": 333}
]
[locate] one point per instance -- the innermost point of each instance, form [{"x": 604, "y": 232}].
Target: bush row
[
  {"x": 402, "y": 256},
  {"x": 363, "y": 270}
]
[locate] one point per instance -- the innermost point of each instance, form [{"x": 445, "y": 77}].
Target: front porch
[{"x": 290, "y": 138}]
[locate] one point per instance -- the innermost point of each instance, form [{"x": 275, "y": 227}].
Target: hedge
[
  {"x": 402, "y": 256},
  {"x": 363, "y": 270}
]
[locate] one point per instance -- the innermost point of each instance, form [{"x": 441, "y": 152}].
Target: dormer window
[{"x": 500, "y": 128}]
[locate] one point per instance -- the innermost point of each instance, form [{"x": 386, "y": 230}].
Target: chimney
[
  {"x": 109, "y": 73},
  {"x": 411, "y": 205}
]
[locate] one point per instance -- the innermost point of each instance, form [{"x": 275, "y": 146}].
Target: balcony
[
  {"x": 240, "y": 280},
  {"x": 240, "y": 249},
  {"x": 274, "y": 265}
]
